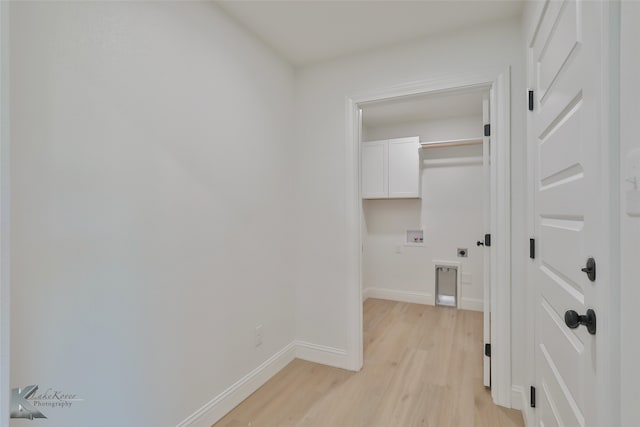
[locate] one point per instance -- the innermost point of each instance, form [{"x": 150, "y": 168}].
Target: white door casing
[
  {"x": 486, "y": 172},
  {"x": 498, "y": 81},
  {"x": 570, "y": 211}
]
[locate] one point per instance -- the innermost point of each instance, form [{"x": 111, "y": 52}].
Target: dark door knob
[
  {"x": 573, "y": 320},
  {"x": 479, "y": 243}
]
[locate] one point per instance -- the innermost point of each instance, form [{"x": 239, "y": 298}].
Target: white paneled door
[{"x": 570, "y": 210}]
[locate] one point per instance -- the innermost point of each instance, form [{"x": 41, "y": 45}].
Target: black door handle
[
  {"x": 590, "y": 269},
  {"x": 573, "y": 320},
  {"x": 479, "y": 243}
]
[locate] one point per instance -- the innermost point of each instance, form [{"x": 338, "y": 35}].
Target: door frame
[
  {"x": 5, "y": 391},
  {"x": 498, "y": 82},
  {"x": 486, "y": 262}
]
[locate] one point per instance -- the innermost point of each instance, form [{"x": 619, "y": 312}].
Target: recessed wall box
[{"x": 414, "y": 238}]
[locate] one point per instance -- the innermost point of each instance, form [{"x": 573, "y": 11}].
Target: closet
[{"x": 423, "y": 188}]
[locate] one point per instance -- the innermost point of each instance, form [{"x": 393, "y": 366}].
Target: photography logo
[{"x": 26, "y": 402}]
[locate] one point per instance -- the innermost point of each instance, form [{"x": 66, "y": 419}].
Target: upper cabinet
[
  {"x": 375, "y": 170},
  {"x": 391, "y": 168}
]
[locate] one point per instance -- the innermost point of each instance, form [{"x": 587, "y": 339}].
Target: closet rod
[{"x": 451, "y": 143}]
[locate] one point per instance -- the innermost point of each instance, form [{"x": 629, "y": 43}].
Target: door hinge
[
  {"x": 487, "y": 130},
  {"x": 532, "y": 398},
  {"x": 487, "y": 240},
  {"x": 530, "y": 100},
  {"x": 532, "y": 248},
  {"x": 487, "y": 350}
]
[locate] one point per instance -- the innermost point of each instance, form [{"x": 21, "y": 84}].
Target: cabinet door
[
  {"x": 404, "y": 168},
  {"x": 375, "y": 177}
]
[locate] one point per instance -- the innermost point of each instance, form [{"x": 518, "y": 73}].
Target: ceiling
[
  {"x": 304, "y": 32},
  {"x": 422, "y": 108}
]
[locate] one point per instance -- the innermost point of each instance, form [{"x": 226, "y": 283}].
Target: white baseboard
[
  {"x": 322, "y": 354},
  {"x": 472, "y": 304},
  {"x": 517, "y": 395},
  {"x": 519, "y": 401},
  {"x": 402, "y": 296},
  {"x": 220, "y": 405},
  {"x": 417, "y": 298}
]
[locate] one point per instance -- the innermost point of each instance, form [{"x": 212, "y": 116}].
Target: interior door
[
  {"x": 570, "y": 209},
  {"x": 486, "y": 172}
]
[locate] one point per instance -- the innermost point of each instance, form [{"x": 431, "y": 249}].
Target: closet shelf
[{"x": 451, "y": 143}]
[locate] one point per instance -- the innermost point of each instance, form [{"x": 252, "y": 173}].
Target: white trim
[
  {"x": 486, "y": 253},
  {"x": 221, "y": 404},
  {"x": 519, "y": 401},
  {"x": 500, "y": 301},
  {"x": 501, "y": 117},
  {"x": 402, "y": 296},
  {"x": 530, "y": 290},
  {"x": 5, "y": 287},
  {"x": 212, "y": 411},
  {"x": 474, "y": 304},
  {"x": 517, "y": 394},
  {"x": 353, "y": 229},
  {"x": 322, "y": 354},
  {"x": 609, "y": 350}
]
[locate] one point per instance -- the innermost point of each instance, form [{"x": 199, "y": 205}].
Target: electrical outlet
[{"x": 258, "y": 336}]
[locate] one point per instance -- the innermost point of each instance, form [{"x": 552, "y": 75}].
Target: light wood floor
[{"x": 422, "y": 367}]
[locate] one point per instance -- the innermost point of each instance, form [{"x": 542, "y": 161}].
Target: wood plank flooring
[{"x": 422, "y": 367}]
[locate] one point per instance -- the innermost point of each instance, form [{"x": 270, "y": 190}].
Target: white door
[
  {"x": 486, "y": 169},
  {"x": 404, "y": 167},
  {"x": 375, "y": 171},
  {"x": 571, "y": 207}
]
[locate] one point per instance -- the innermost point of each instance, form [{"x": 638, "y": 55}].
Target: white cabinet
[
  {"x": 404, "y": 168},
  {"x": 391, "y": 169},
  {"x": 375, "y": 170}
]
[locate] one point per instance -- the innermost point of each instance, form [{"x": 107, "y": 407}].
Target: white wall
[
  {"x": 151, "y": 200},
  {"x": 450, "y": 212},
  {"x": 322, "y": 278},
  {"x": 465, "y": 127},
  {"x": 630, "y": 226}
]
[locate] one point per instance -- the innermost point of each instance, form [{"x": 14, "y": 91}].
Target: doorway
[
  {"x": 497, "y": 326},
  {"x": 425, "y": 201}
]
